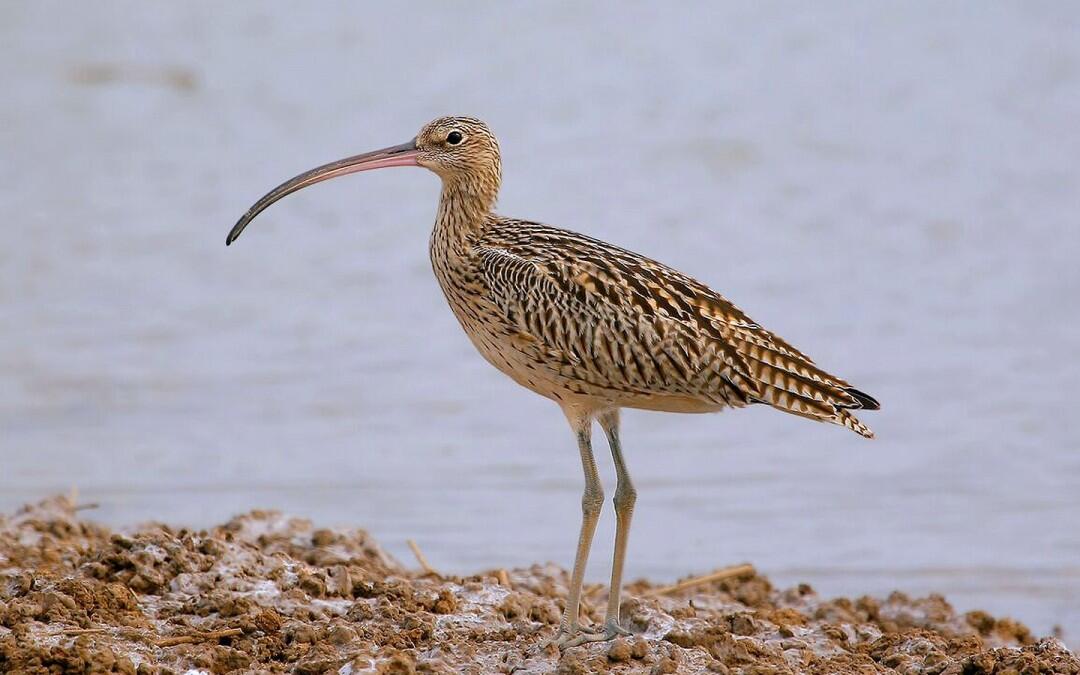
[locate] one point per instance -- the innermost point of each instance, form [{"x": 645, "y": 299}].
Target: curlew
[{"x": 589, "y": 325}]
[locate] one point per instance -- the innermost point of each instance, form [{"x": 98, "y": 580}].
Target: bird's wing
[
  {"x": 610, "y": 336},
  {"x": 628, "y": 318}
]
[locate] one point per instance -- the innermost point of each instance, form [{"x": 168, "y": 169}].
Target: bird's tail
[
  {"x": 822, "y": 404},
  {"x": 788, "y": 380},
  {"x": 853, "y": 423}
]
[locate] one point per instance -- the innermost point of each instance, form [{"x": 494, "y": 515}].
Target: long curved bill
[{"x": 396, "y": 155}]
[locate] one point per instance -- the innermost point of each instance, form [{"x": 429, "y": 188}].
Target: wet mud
[{"x": 268, "y": 593}]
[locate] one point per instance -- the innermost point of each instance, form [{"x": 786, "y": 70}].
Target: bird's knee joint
[
  {"x": 592, "y": 502},
  {"x": 625, "y": 496}
]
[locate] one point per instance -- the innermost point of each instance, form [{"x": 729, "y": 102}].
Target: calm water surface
[{"x": 893, "y": 188}]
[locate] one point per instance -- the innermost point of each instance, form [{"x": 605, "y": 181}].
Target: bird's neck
[{"x": 464, "y": 212}]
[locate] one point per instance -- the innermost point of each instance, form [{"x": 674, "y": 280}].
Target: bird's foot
[
  {"x": 573, "y": 636},
  {"x": 565, "y": 634}
]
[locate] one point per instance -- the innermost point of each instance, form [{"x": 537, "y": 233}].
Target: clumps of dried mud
[{"x": 264, "y": 592}]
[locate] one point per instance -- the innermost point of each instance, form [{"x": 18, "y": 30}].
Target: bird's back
[{"x": 571, "y": 315}]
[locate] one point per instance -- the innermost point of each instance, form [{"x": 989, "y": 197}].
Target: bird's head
[{"x": 461, "y": 150}]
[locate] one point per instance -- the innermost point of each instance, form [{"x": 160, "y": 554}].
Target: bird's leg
[
  {"x": 625, "y": 496},
  {"x": 592, "y": 500}
]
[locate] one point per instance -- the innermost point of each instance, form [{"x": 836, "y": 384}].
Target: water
[{"x": 894, "y": 188}]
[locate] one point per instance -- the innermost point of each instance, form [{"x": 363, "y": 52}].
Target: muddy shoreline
[{"x": 265, "y": 592}]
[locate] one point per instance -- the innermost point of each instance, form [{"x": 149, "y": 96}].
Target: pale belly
[{"x": 514, "y": 356}]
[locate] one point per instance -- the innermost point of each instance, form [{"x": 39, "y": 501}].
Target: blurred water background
[{"x": 894, "y": 187}]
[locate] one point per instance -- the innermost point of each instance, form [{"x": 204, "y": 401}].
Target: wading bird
[{"x": 591, "y": 326}]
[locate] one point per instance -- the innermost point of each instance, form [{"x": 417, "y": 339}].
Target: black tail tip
[{"x": 866, "y": 401}]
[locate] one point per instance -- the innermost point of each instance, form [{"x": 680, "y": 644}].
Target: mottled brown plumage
[
  {"x": 572, "y": 317},
  {"x": 590, "y": 325}
]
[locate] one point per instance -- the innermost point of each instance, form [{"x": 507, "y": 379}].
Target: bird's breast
[{"x": 514, "y": 353}]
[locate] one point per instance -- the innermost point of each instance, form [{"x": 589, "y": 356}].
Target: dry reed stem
[
  {"x": 197, "y": 637},
  {"x": 725, "y": 573},
  {"x": 424, "y": 564}
]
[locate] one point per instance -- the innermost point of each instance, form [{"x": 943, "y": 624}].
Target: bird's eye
[{"x": 454, "y": 137}]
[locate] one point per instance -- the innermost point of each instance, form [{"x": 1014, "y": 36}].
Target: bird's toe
[{"x": 609, "y": 631}]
